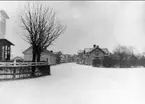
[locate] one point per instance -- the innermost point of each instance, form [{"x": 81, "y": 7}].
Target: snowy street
[{"x": 78, "y": 84}]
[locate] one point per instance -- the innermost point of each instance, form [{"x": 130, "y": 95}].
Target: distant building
[
  {"x": 90, "y": 55},
  {"x": 96, "y": 55},
  {"x": 45, "y": 56},
  {"x": 18, "y": 58},
  {"x": 60, "y": 57}
]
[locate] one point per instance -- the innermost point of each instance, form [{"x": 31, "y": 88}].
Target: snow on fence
[
  {"x": 20, "y": 70},
  {"x": 19, "y": 64}
]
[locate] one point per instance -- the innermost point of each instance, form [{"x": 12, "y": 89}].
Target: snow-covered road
[{"x": 78, "y": 84}]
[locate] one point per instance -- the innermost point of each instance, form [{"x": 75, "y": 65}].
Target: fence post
[
  {"x": 14, "y": 72},
  {"x": 49, "y": 71},
  {"x": 14, "y": 62}
]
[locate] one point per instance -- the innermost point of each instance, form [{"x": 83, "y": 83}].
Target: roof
[
  {"x": 27, "y": 50},
  {"x": 97, "y": 48},
  {"x": 4, "y": 14},
  {"x": 5, "y": 41},
  {"x": 80, "y": 51},
  {"x": 104, "y": 50},
  {"x": 48, "y": 52},
  {"x": 88, "y": 49},
  {"x": 17, "y": 58},
  {"x": 45, "y": 51}
]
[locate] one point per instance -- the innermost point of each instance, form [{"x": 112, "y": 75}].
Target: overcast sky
[{"x": 102, "y": 23}]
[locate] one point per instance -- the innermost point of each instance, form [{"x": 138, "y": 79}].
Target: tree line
[{"x": 124, "y": 56}]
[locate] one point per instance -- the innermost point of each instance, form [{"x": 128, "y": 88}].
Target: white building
[
  {"x": 5, "y": 45},
  {"x": 3, "y": 17},
  {"x": 45, "y": 56}
]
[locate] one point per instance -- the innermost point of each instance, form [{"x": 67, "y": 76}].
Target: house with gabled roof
[
  {"x": 46, "y": 55},
  {"x": 89, "y": 55},
  {"x": 96, "y": 55}
]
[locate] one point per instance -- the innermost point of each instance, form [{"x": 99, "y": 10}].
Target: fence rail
[
  {"x": 18, "y": 64},
  {"x": 21, "y": 70}
]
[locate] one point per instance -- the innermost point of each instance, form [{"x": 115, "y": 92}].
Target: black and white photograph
[{"x": 72, "y": 52}]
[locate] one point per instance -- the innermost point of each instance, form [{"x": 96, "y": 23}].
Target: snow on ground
[{"x": 78, "y": 84}]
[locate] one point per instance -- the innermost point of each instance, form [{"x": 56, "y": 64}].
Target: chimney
[{"x": 94, "y": 45}]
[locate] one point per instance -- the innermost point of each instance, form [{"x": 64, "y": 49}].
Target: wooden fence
[{"x": 21, "y": 70}]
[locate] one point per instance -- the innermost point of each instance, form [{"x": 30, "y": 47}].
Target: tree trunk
[
  {"x": 38, "y": 57},
  {"x": 33, "y": 67},
  {"x": 34, "y": 57}
]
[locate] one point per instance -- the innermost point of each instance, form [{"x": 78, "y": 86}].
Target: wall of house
[
  {"x": 27, "y": 57},
  {"x": 97, "y": 53},
  {"x": 50, "y": 58}
]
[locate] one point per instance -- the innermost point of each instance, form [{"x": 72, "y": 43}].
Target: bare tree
[
  {"x": 124, "y": 53},
  {"x": 41, "y": 28}
]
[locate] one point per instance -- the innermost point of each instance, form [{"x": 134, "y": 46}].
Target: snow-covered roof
[
  {"x": 88, "y": 50},
  {"x": 5, "y": 41},
  {"x": 80, "y": 51},
  {"x": 29, "y": 50},
  {"x": 105, "y": 50},
  {"x": 17, "y": 58}
]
